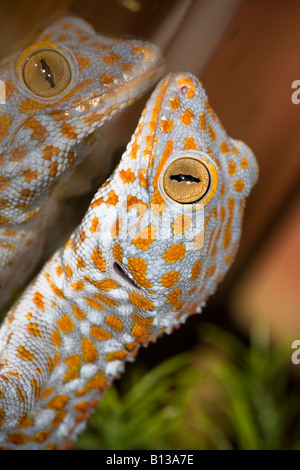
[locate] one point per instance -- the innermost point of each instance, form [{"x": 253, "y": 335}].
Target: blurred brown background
[{"x": 246, "y": 54}]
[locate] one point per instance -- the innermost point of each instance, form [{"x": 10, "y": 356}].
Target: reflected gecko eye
[
  {"x": 46, "y": 73},
  {"x": 186, "y": 180}
]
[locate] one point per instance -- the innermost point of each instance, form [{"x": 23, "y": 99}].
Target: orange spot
[
  {"x": 68, "y": 131},
  {"x": 106, "y": 284},
  {"x": 111, "y": 59},
  {"x": 106, "y": 300},
  {"x": 41, "y": 437},
  {"x": 89, "y": 350},
  {"x": 141, "y": 327},
  {"x": 143, "y": 177},
  {"x": 138, "y": 204},
  {"x": 20, "y": 394},
  {"x": 4, "y": 183},
  {"x": 196, "y": 270},
  {"x": 97, "y": 202},
  {"x": 69, "y": 271},
  {"x": 58, "y": 403},
  {"x": 127, "y": 67},
  {"x": 174, "y": 253},
  {"x": 187, "y": 117},
  {"x": 94, "y": 303},
  {"x": 5, "y": 122},
  {"x": 50, "y": 151},
  {"x": 116, "y": 356},
  {"x": 244, "y": 163},
  {"x": 138, "y": 268},
  {"x": 65, "y": 324},
  {"x": 227, "y": 232},
  {"x": 211, "y": 270},
  {"x": 59, "y": 271},
  {"x": 202, "y": 121},
  {"x": 33, "y": 329},
  {"x": 17, "y": 438},
  {"x": 115, "y": 228},
  {"x": 19, "y": 154},
  {"x": 224, "y": 147},
  {"x": 10, "y": 88},
  {"x": 38, "y": 300},
  {"x": 98, "y": 260},
  {"x": 127, "y": 176},
  {"x": 47, "y": 392},
  {"x": 56, "y": 338},
  {"x": 170, "y": 279},
  {"x": 95, "y": 226},
  {"x": 99, "y": 333},
  {"x": 231, "y": 168},
  {"x": 25, "y": 422},
  {"x": 78, "y": 313},
  {"x": 158, "y": 204},
  {"x": 117, "y": 252},
  {"x": 175, "y": 103},
  {"x": 114, "y": 323},
  {"x": 30, "y": 175},
  {"x": 25, "y": 354},
  {"x": 112, "y": 198},
  {"x": 74, "y": 364},
  {"x": 190, "y": 144},
  {"x": 212, "y": 133},
  {"x": 166, "y": 125},
  {"x": 77, "y": 285},
  {"x": 31, "y": 106},
  {"x": 135, "y": 146},
  {"x": 107, "y": 79},
  {"x": 80, "y": 263},
  {"x": 96, "y": 382},
  {"x": 39, "y": 132},
  {"x": 145, "y": 237},
  {"x": 140, "y": 301},
  {"x": 83, "y": 62},
  {"x": 239, "y": 185}
]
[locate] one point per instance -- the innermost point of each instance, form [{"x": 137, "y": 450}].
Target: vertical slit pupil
[{"x": 47, "y": 72}]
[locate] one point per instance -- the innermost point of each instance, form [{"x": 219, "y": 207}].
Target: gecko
[
  {"x": 61, "y": 86},
  {"x": 157, "y": 238}
]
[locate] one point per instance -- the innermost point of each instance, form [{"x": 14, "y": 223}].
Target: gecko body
[
  {"x": 61, "y": 86},
  {"x": 158, "y": 237}
]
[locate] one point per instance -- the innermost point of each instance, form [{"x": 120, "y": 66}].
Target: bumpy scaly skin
[
  {"x": 137, "y": 266},
  {"x": 41, "y": 139}
]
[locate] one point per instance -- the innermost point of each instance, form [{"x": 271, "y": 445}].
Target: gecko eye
[
  {"x": 186, "y": 180},
  {"x": 46, "y": 73}
]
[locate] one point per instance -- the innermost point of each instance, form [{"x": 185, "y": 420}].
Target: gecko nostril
[{"x": 119, "y": 270}]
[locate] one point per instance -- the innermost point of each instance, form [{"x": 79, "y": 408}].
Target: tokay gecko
[
  {"x": 63, "y": 85},
  {"x": 158, "y": 237}
]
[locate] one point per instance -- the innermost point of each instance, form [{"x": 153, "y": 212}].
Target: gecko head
[
  {"x": 168, "y": 222},
  {"x": 66, "y": 65},
  {"x": 62, "y": 85}
]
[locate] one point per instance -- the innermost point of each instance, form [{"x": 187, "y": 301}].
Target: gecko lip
[{"x": 120, "y": 271}]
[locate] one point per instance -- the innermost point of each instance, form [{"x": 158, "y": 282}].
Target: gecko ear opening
[
  {"x": 46, "y": 73},
  {"x": 186, "y": 180}
]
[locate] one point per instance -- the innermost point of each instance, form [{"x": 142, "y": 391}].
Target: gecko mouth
[{"x": 120, "y": 271}]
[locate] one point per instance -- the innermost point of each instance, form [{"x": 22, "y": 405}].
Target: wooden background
[{"x": 246, "y": 55}]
